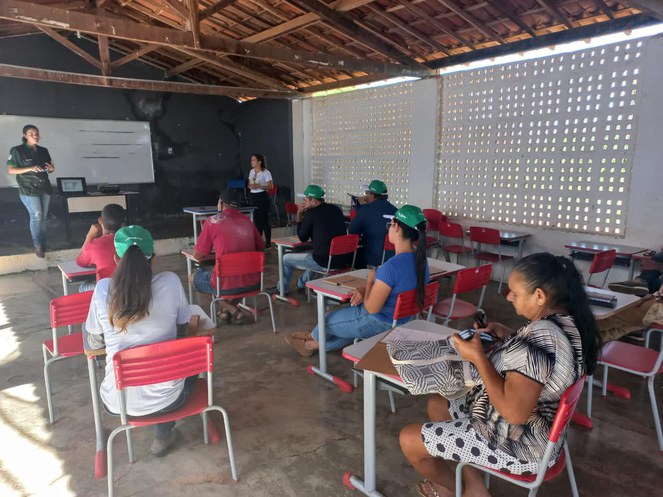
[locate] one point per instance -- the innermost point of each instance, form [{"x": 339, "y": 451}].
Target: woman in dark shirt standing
[{"x": 32, "y": 165}]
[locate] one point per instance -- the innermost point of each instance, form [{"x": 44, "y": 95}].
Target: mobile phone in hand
[{"x": 467, "y": 334}]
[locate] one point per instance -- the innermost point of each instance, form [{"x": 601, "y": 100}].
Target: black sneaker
[
  {"x": 39, "y": 251},
  {"x": 633, "y": 287}
]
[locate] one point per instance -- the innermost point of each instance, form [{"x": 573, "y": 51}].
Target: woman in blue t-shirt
[{"x": 371, "y": 311}]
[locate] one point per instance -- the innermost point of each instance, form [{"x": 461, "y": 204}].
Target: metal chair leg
[
  {"x": 654, "y": 407},
  {"x": 47, "y": 383}
]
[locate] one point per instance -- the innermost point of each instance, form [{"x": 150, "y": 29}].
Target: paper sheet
[{"x": 411, "y": 335}]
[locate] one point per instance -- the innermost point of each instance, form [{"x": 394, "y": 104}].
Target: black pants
[{"x": 261, "y": 215}]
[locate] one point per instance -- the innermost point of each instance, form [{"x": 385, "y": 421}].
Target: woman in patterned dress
[{"x": 504, "y": 422}]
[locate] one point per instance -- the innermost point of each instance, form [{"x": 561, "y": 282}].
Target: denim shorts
[{"x": 202, "y": 280}]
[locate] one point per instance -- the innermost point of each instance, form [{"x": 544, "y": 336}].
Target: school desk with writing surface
[
  {"x": 341, "y": 293},
  {"x": 205, "y": 326},
  {"x": 72, "y": 273},
  {"x": 208, "y": 260},
  {"x": 356, "y": 353},
  {"x": 199, "y": 214},
  {"x": 585, "y": 250}
]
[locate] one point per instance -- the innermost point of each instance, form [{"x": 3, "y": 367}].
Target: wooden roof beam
[
  {"x": 97, "y": 25},
  {"x": 471, "y": 19},
  {"x": 214, "y": 8},
  {"x": 145, "y": 49},
  {"x": 411, "y": 31},
  {"x": 183, "y": 67},
  {"x": 423, "y": 15},
  {"x": 70, "y": 45},
  {"x": 177, "y": 7},
  {"x": 104, "y": 55},
  {"x": 506, "y": 8},
  {"x": 353, "y": 31},
  {"x": 20, "y": 72},
  {"x": 194, "y": 23},
  {"x": 603, "y": 7},
  {"x": 554, "y": 11},
  {"x": 653, "y": 8}
]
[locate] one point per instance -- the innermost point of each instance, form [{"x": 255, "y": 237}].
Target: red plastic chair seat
[
  {"x": 68, "y": 345},
  {"x": 492, "y": 256},
  {"x": 462, "y": 309},
  {"x": 195, "y": 404},
  {"x": 457, "y": 249},
  {"x": 552, "y": 472},
  {"x": 628, "y": 356},
  {"x": 431, "y": 241}
]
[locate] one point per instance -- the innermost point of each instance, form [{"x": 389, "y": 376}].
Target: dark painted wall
[{"x": 198, "y": 141}]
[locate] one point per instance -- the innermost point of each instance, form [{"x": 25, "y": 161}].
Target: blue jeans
[
  {"x": 348, "y": 323},
  {"x": 37, "y": 207},
  {"x": 298, "y": 260}
]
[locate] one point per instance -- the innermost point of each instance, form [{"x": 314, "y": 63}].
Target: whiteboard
[{"x": 118, "y": 152}]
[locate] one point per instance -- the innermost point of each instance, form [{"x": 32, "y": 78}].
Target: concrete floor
[{"x": 294, "y": 434}]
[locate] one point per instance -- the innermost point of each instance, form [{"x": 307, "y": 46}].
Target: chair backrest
[
  {"x": 239, "y": 264},
  {"x": 70, "y": 309},
  {"x": 434, "y": 218},
  {"x": 484, "y": 235},
  {"x": 163, "y": 361},
  {"x": 238, "y": 184},
  {"x": 565, "y": 410},
  {"x": 451, "y": 230},
  {"x": 603, "y": 261},
  {"x": 353, "y": 214},
  {"x": 387, "y": 244},
  {"x": 343, "y": 244},
  {"x": 406, "y": 303},
  {"x": 273, "y": 191},
  {"x": 472, "y": 278},
  {"x": 291, "y": 208}
]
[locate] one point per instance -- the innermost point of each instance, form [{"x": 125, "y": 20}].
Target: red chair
[
  {"x": 434, "y": 218},
  {"x": 637, "y": 360},
  {"x": 488, "y": 236},
  {"x": 167, "y": 361},
  {"x": 272, "y": 194},
  {"x": 532, "y": 482},
  {"x": 65, "y": 311},
  {"x": 340, "y": 245},
  {"x": 406, "y": 307},
  {"x": 291, "y": 209},
  {"x": 387, "y": 247},
  {"x": 353, "y": 215},
  {"x": 236, "y": 265},
  {"x": 467, "y": 280},
  {"x": 449, "y": 231},
  {"x": 602, "y": 261}
]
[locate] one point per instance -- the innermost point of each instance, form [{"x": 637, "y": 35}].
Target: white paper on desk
[{"x": 411, "y": 335}]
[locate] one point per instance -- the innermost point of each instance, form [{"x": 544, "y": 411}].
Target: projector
[{"x": 109, "y": 189}]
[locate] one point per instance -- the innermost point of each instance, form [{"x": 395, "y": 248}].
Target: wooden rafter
[
  {"x": 183, "y": 67},
  {"x": 97, "y": 25},
  {"x": 144, "y": 50},
  {"x": 194, "y": 23},
  {"x": 104, "y": 55},
  {"x": 177, "y": 7},
  {"x": 554, "y": 11},
  {"x": 214, "y": 8},
  {"x": 343, "y": 83},
  {"x": 70, "y": 45},
  {"x": 653, "y": 8},
  {"x": 471, "y": 19},
  {"x": 603, "y": 7},
  {"x": 352, "y": 30},
  {"x": 10, "y": 71},
  {"x": 506, "y": 8},
  {"x": 423, "y": 15},
  {"x": 411, "y": 31}
]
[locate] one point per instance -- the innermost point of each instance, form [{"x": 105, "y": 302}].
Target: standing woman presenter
[
  {"x": 32, "y": 165},
  {"x": 260, "y": 182}
]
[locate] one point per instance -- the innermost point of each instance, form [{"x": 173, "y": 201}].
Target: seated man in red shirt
[
  {"x": 98, "y": 249},
  {"x": 227, "y": 232}
]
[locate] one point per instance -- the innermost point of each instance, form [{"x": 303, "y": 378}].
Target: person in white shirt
[
  {"x": 133, "y": 308},
  {"x": 260, "y": 182}
]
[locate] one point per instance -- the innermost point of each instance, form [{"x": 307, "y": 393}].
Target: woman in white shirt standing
[
  {"x": 136, "y": 307},
  {"x": 260, "y": 182}
]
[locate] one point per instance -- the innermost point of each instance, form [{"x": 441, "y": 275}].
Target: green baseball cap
[
  {"x": 409, "y": 215},
  {"x": 134, "y": 235},
  {"x": 313, "y": 191},
  {"x": 378, "y": 187}
]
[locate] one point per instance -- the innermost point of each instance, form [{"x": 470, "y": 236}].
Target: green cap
[
  {"x": 134, "y": 235},
  {"x": 378, "y": 187},
  {"x": 409, "y": 215},
  {"x": 313, "y": 191}
]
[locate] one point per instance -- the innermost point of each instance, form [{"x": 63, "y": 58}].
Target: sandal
[
  {"x": 224, "y": 316},
  {"x": 238, "y": 317},
  {"x": 427, "y": 489}
]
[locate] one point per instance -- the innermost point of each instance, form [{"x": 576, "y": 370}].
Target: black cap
[{"x": 227, "y": 198}]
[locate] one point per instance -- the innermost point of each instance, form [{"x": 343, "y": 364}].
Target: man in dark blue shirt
[
  {"x": 369, "y": 223},
  {"x": 317, "y": 222}
]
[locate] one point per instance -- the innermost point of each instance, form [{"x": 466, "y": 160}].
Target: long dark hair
[
  {"x": 27, "y": 128},
  {"x": 263, "y": 161},
  {"x": 418, "y": 236},
  {"x": 558, "y": 277},
  {"x": 131, "y": 289}
]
